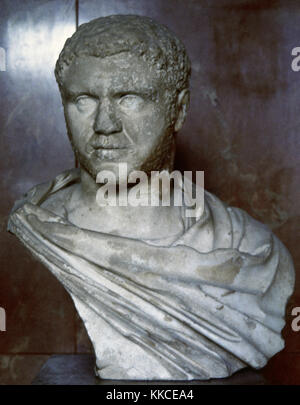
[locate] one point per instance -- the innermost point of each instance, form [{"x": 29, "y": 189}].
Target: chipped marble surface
[
  {"x": 152, "y": 288},
  {"x": 249, "y": 158}
]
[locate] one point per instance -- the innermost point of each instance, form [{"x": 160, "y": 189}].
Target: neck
[
  {"x": 89, "y": 189},
  {"x": 88, "y": 185}
]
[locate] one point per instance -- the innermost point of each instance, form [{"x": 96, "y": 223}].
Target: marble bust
[{"x": 162, "y": 296}]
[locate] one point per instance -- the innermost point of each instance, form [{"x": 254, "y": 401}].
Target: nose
[{"x": 106, "y": 121}]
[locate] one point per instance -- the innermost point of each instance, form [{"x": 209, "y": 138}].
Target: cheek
[
  {"x": 146, "y": 127},
  {"x": 80, "y": 125}
]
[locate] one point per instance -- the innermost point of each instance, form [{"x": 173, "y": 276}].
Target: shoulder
[
  {"x": 257, "y": 239},
  {"x": 242, "y": 231},
  {"x": 234, "y": 228},
  {"x": 57, "y": 202},
  {"x": 51, "y": 193},
  {"x": 249, "y": 235}
]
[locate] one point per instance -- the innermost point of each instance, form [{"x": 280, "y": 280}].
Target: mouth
[
  {"x": 110, "y": 147},
  {"x": 113, "y": 143},
  {"x": 109, "y": 152},
  {"x": 99, "y": 149}
]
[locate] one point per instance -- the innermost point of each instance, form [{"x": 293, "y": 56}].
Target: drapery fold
[{"x": 189, "y": 324}]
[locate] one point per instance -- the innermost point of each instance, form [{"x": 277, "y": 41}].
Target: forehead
[{"x": 118, "y": 72}]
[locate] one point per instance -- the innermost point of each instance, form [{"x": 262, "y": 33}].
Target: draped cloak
[{"x": 146, "y": 325}]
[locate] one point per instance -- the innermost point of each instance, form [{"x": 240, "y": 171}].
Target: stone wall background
[{"x": 242, "y": 130}]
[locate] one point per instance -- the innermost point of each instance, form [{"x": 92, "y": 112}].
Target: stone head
[{"x": 124, "y": 82}]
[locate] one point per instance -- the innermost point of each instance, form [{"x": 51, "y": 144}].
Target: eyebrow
[
  {"x": 71, "y": 94},
  {"x": 145, "y": 91}
]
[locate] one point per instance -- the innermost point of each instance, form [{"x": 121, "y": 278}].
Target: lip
[
  {"x": 108, "y": 153},
  {"x": 110, "y": 147}
]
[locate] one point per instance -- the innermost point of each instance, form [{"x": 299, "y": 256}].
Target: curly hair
[{"x": 107, "y": 36}]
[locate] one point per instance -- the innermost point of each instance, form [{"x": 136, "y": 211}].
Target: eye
[
  {"x": 86, "y": 103},
  {"x": 131, "y": 102}
]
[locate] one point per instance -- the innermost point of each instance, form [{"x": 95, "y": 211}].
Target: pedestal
[{"x": 78, "y": 369}]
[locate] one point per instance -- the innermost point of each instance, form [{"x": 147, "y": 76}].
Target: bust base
[{"x": 78, "y": 369}]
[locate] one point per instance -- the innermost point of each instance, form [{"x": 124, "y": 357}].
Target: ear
[{"x": 183, "y": 101}]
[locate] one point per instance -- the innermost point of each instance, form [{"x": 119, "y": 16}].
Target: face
[{"x": 117, "y": 110}]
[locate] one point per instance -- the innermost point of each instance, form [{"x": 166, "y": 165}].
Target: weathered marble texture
[
  {"x": 260, "y": 175},
  {"x": 162, "y": 296},
  {"x": 203, "y": 306}
]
